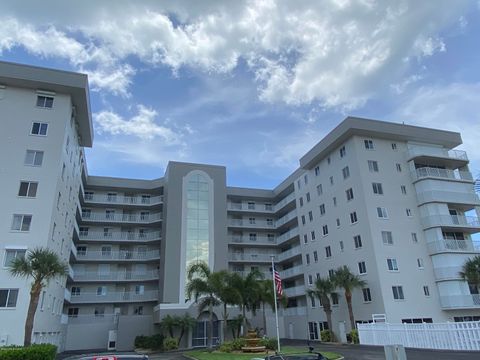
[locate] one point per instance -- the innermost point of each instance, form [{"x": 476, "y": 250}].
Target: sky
[{"x": 251, "y": 85}]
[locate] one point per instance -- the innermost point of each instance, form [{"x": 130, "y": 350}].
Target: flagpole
[{"x": 275, "y": 298}]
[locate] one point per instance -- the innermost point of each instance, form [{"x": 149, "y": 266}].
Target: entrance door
[
  {"x": 200, "y": 334},
  {"x": 290, "y": 330}
]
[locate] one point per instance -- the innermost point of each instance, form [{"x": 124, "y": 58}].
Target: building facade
[{"x": 393, "y": 202}]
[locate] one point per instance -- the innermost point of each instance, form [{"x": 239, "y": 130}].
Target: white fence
[{"x": 452, "y": 336}]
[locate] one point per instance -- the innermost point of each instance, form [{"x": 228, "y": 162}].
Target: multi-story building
[{"x": 393, "y": 202}]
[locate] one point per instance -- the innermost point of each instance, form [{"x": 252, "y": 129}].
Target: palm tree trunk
[
  {"x": 225, "y": 318},
  {"x": 328, "y": 314},
  {"x": 210, "y": 333},
  {"x": 264, "y": 319},
  {"x": 348, "y": 297},
  {"x": 244, "y": 320},
  {"x": 32, "y": 308}
]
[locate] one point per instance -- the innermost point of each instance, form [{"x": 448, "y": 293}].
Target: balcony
[
  {"x": 247, "y": 240},
  {"x": 122, "y": 200},
  {"x": 292, "y": 272},
  {"x": 250, "y": 208},
  {"x": 71, "y": 273},
  {"x": 427, "y": 172},
  {"x": 114, "y": 297},
  {"x": 294, "y": 311},
  {"x": 453, "y": 302},
  {"x": 454, "y": 158},
  {"x": 294, "y": 291},
  {"x": 121, "y": 218},
  {"x": 257, "y": 224},
  {"x": 284, "y": 202},
  {"x": 460, "y": 222},
  {"x": 452, "y": 245},
  {"x": 447, "y": 273},
  {"x": 67, "y": 295},
  {"x": 451, "y": 197},
  {"x": 286, "y": 218},
  {"x": 250, "y": 257},
  {"x": 267, "y": 275},
  {"x": 287, "y": 236},
  {"x": 122, "y": 236},
  {"x": 116, "y": 276},
  {"x": 122, "y": 255},
  {"x": 297, "y": 250}
]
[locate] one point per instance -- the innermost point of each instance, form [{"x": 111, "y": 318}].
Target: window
[
  {"x": 342, "y": 247},
  {"x": 328, "y": 252},
  {"x": 313, "y": 235},
  {"x": 99, "y": 311},
  {"x": 334, "y": 298},
  {"x": 81, "y": 250},
  {"x": 307, "y": 195},
  {"x": 101, "y": 291},
  {"x": 346, "y": 172},
  {"x": 59, "y": 198},
  {"x": 398, "y": 292},
  {"x": 88, "y": 195},
  {"x": 331, "y": 180},
  {"x": 408, "y": 212},
  {"x": 73, "y": 312},
  {"x": 399, "y": 167},
  {"x": 342, "y": 152},
  {"x": 300, "y": 200},
  {"x": 368, "y": 144},
  {"x": 331, "y": 273},
  {"x": 394, "y": 146},
  {"x": 34, "y": 158},
  {"x": 353, "y": 217},
  {"x": 357, "y": 240},
  {"x": 303, "y": 219},
  {"x": 251, "y": 205},
  {"x": 367, "y": 296},
  {"x": 305, "y": 179},
  {"x": 12, "y": 254},
  {"x": 310, "y": 279},
  {"x": 28, "y": 189},
  {"x": 45, "y": 101},
  {"x": 107, "y": 249},
  {"x": 325, "y": 230},
  {"x": 138, "y": 310},
  {"x": 299, "y": 184},
  {"x": 39, "y": 128},
  {"x": 270, "y": 222},
  {"x": 392, "y": 264},
  {"x": 305, "y": 238},
  {"x": 315, "y": 256},
  {"x": 21, "y": 222},
  {"x": 403, "y": 189},
  {"x": 112, "y": 197},
  {"x": 377, "y": 188},
  {"x": 349, "y": 193},
  {"x": 310, "y": 216},
  {"x": 426, "y": 291},
  {"x": 414, "y": 237},
  {"x": 319, "y": 189},
  {"x": 42, "y": 300},
  {"x": 334, "y": 201},
  {"x": 362, "y": 268},
  {"x": 253, "y": 237},
  {"x": 338, "y": 222},
  {"x": 322, "y": 209},
  {"x": 268, "y": 207},
  {"x": 307, "y": 259},
  {"x": 387, "y": 238},
  {"x": 8, "y": 298},
  {"x": 382, "y": 213},
  {"x": 312, "y": 300},
  {"x": 329, "y": 160},
  {"x": 372, "y": 166},
  {"x": 251, "y": 221},
  {"x": 420, "y": 263},
  {"x": 317, "y": 170}
]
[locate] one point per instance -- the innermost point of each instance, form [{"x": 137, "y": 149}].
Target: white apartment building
[{"x": 393, "y": 202}]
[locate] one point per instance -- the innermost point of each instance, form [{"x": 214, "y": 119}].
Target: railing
[
  {"x": 442, "y": 173},
  {"x": 301, "y": 310},
  {"x": 73, "y": 249},
  {"x": 64, "y": 319},
  {"x": 436, "y": 152},
  {"x": 71, "y": 273},
  {"x": 250, "y": 257},
  {"x": 117, "y": 296},
  {"x": 263, "y": 240},
  {"x": 266, "y": 274},
  {"x": 123, "y": 200},
  {"x": 92, "y": 319},
  {"x": 119, "y": 236},
  {"x": 448, "y": 197},
  {"x": 128, "y": 218},
  {"x": 116, "y": 276},
  {"x": 294, "y": 291},
  {"x": 447, "y": 273},
  {"x": 119, "y": 255},
  {"x": 67, "y": 295},
  {"x": 253, "y": 208},
  {"x": 452, "y": 245},
  {"x": 451, "y": 221},
  {"x": 248, "y": 224},
  {"x": 289, "y": 198},
  {"x": 297, "y": 250},
  {"x": 460, "y": 301},
  {"x": 287, "y": 236},
  {"x": 294, "y": 271},
  {"x": 287, "y": 217}
]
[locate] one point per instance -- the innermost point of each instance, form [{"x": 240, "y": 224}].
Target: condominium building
[{"x": 393, "y": 202}]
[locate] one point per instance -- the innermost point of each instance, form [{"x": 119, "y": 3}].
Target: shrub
[
  {"x": 141, "y": 341},
  {"x": 238, "y": 343},
  {"x": 226, "y": 347},
  {"x": 170, "y": 343},
  {"x": 354, "y": 336},
  {"x": 326, "y": 335},
  {"x": 34, "y": 352},
  {"x": 269, "y": 343},
  {"x": 154, "y": 342}
]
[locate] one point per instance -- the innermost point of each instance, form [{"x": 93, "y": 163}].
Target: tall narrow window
[
  {"x": 343, "y": 152},
  {"x": 392, "y": 264},
  {"x": 387, "y": 237},
  {"x": 398, "y": 292},
  {"x": 372, "y": 166},
  {"x": 362, "y": 268},
  {"x": 377, "y": 188},
  {"x": 367, "y": 296},
  {"x": 346, "y": 172},
  {"x": 357, "y": 241},
  {"x": 349, "y": 194},
  {"x": 382, "y": 212},
  {"x": 353, "y": 217},
  {"x": 368, "y": 144}
]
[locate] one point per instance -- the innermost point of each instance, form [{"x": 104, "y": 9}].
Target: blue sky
[{"x": 251, "y": 85}]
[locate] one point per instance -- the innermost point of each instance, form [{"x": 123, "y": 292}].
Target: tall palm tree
[
  {"x": 471, "y": 271},
  {"x": 322, "y": 289},
  {"x": 42, "y": 265},
  {"x": 200, "y": 286},
  {"x": 344, "y": 279}
]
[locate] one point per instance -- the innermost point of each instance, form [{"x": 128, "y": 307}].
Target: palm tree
[
  {"x": 471, "y": 271},
  {"x": 169, "y": 323},
  {"x": 42, "y": 265},
  {"x": 322, "y": 290},
  {"x": 344, "y": 279},
  {"x": 186, "y": 322},
  {"x": 200, "y": 286}
]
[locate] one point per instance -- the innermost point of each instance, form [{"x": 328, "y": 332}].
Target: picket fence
[{"x": 451, "y": 336}]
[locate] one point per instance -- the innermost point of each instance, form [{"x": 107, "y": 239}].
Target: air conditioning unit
[{"x": 3, "y": 340}]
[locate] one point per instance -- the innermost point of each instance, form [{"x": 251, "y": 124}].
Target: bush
[
  {"x": 354, "y": 336},
  {"x": 170, "y": 343},
  {"x": 154, "y": 342},
  {"x": 269, "y": 343},
  {"x": 326, "y": 335},
  {"x": 238, "y": 343},
  {"x": 226, "y": 347},
  {"x": 141, "y": 341},
  {"x": 34, "y": 352}
]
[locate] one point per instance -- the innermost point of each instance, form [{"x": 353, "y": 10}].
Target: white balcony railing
[
  {"x": 451, "y": 221},
  {"x": 287, "y": 236},
  {"x": 297, "y": 250},
  {"x": 301, "y": 310},
  {"x": 286, "y": 200},
  {"x": 119, "y": 255},
  {"x": 116, "y": 276},
  {"x": 286, "y": 218},
  {"x": 436, "y": 152},
  {"x": 442, "y": 173},
  {"x": 294, "y": 271},
  {"x": 252, "y": 224},
  {"x": 117, "y": 296},
  {"x": 263, "y": 208},
  {"x": 259, "y": 240},
  {"x": 447, "y": 272},
  {"x": 123, "y": 200},
  {"x": 119, "y": 236},
  {"x": 460, "y": 301},
  {"x": 250, "y": 257},
  {"x": 452, "y": 245},
  {"x": 454, "y": 197},
  {"x": 122, "y": 218},
  {"x": 266, "y": 274},
  {"x": 294, "y": 291},
  {"x": 67, "y": 295}
]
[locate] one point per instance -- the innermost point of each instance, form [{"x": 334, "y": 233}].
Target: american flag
[{"x": 278, "y": 283}]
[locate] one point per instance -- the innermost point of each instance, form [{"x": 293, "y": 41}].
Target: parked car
[{"x": 115, "y": 357}]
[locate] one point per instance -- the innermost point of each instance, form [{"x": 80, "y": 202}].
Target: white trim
[{"x": 45, "y": 92}]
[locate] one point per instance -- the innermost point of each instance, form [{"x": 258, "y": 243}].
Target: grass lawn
[{"x": 205, "y": 355}]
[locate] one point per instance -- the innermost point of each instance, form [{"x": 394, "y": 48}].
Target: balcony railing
[
  {"x": 287, "y": 236},
  {"x": 301, "y": 310},
  {"x": 460, "y": 301},
  {"x": 294, "y": 291},
  {"x": 251, "y": 224},
  {"x": 118, "y": 255},
  {"x": 266, "y": 274},
  {"x": 257, "y": 240},
  {"x": 453, "y": 197},
  {"x": 119, "y": 236},
  {"x": 122, "y": 200},
  {"x": 116, "y": 296},
  {"x": 442, "y": 173},
  {"x": 122, "y": 218},
  {"x": 435, "y": 152},
  {"x": 67, "y": 295},
  {"x": 250, "y": 257},
  {"x": 447, "y": 272},
  {"x": 453, "y": 245},
  {"x": 116, "y": 276},
  {"x": 264, "y": 208},
  {"x": 286, "y": 218},
  {"x": 297, "y": 250},
  {"x": 459, "y": 221},
  {"x": 289, "y": 198},
  {"x": 293, "y": 271}
]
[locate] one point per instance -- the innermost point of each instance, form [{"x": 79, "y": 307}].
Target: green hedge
[
  {"x": 34, "y": 352},
  {"x": 154, "y": 342},
  {"x": 326, "y": 335}
]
